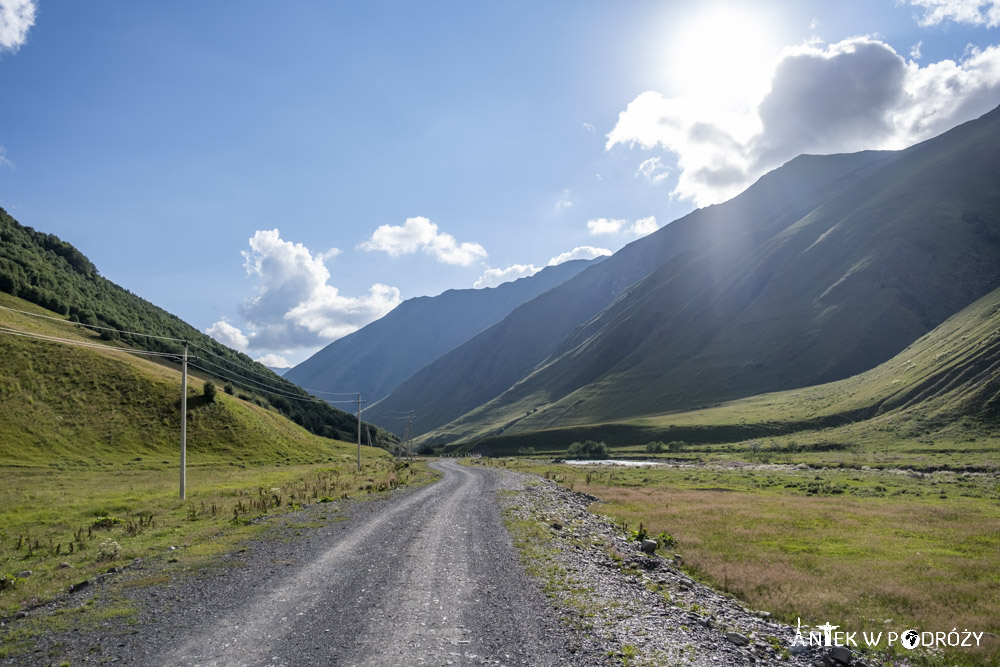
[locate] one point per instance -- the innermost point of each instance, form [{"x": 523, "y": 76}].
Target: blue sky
[{"x": 282, "y": 173}]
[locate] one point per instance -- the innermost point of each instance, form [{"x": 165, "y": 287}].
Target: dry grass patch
[{"x": 923, "y": 552}]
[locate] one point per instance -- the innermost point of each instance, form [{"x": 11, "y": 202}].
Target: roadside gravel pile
[{"x": 642, "y": 608}]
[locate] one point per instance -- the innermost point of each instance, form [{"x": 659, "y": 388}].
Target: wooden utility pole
[
  {"x": 184, "y": 413},
  {"x": 359, "y": 432}
]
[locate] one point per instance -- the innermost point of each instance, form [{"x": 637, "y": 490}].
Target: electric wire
[
  {"x": 247, "y": 369},
  {"x": 269, "y": 388},
  {"x": 85, "y": 344},
  {"x": 301, "y": 399},
  {"x": 91, "y": 326}
]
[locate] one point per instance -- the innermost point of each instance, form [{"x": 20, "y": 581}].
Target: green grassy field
[
  {"x": 66, "y": 525},
  {"x": 867, "y": 549},
  {"x": 89, "y": 462}
]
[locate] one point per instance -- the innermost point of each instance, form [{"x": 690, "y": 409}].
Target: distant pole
[
  {"x": 359, "y": 431},
  {"x": 184, "y": 412}
]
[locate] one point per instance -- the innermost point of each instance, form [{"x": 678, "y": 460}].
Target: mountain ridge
[
  {"x": 876, "y": 260},
  {"x": 490, "y": 363}
]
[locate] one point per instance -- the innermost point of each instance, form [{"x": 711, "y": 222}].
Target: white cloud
[
  {"x": 16, "y": 18},
  {"x": 853, "y": 95},
  {"x": 420, "y": 234},
  {"x": 915, "y": 53},
  {"x": 295, "y": 307},
  {"x": 4, "y": 162},
  {"x": 580, "y": 252},
  {"x": 589, "y": 127},
  {"x": 644, "y": 226},
  {"x": 494, "y": 277},
  {"x": 976, "y": 12},
  {"x": 274, "y": 361},
  {"x": 228, "y": 335},
  {"x": 605, "y": 226},
  {"x": 653, "y": 170}
]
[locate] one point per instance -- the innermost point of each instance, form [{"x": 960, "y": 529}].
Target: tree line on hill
[{"x": 49, "y": 272}]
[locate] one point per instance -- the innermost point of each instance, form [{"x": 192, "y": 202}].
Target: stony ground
[
  {"x": 642, "y": 608},
  {"x": 426, "y": 576}
]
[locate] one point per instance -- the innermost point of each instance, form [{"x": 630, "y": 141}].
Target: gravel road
[{"x": 423, "y": 576}]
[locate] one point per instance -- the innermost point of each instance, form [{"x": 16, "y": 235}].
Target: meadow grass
[
  {"x": 870, "y": 550},
  {"x": 54, "y": 520}
]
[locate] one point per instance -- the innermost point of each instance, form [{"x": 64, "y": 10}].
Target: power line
[
  {"x": 377, "y": 408},
  {"x": 269, "y": 387},
  {"x": 290, "y": 397},
  {"x": 86, "y": 344},
  {"x": 247, "y": 369},
  {"x": 90, "y": 326}
]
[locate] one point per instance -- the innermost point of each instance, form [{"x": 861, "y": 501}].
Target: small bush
[
  {"x": 108, "y": 550},
  {"x": 677, "y": 446},
  {"x": 425, "y": 450},
  {"x": 229, "y": 388},
  {"x": 655, "y": 447},
  {"x": 639, "y": 534},
  {"x": 209, "y": 391},
  {"x": 588, "y": 450}
]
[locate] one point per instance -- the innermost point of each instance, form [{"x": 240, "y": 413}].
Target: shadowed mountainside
[
  {"x": 817, "y": 289},
  {"x": 375, "y": 359}
]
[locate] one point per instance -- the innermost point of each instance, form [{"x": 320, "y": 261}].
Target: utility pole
[
  {"x": 184, "y": 412},
  {"x": 408, "y": 435},
  {"x": 359, "y": 431}
]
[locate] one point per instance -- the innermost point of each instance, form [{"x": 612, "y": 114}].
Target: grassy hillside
[
  {"x": 870, "y": 266},
  {"x": 47, "y": 271},
  {"x": 936, "y": 403},
  {"x": 73, "y": 405}
]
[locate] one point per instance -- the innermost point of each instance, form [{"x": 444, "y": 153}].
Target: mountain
[
  {"x": 940, "y": 395},
  {"x": 375, "y": 359},
  {"x": 44, "y": 270},
  {"x": 279, "y": 371},
  {"x": 491, "y": 362},
  {"x": 780, "y": 287}
]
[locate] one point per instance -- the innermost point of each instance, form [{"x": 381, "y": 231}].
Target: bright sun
[{"x": 722, "y": 55}]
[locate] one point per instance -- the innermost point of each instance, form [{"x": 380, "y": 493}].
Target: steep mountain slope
[
  {"x": 946, "y": 383},
  {"x": 65, "y": 404},
  {"x": 44, "y": 270},
  {"x": 376, "y": 358},
  {"x": 870, "y": 266},
  {"x": 492, "y": 361}
]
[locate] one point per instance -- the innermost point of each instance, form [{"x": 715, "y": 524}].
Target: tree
[{"x": 209, "y": 391}]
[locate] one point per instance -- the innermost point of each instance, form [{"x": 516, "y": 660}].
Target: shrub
[
  {"x": 108, "y": 550},
  {"x": 229, "y": 388},
  {"x": 588, "y": 450},
  {"x": 209, "y": 391},
  {"x": 677, "y": 445},
  {"x": 654, "y": 447},
  {"x": 425, "y": 450}
]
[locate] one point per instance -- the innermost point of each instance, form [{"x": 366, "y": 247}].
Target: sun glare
[{"x": 722, "y": 55}]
